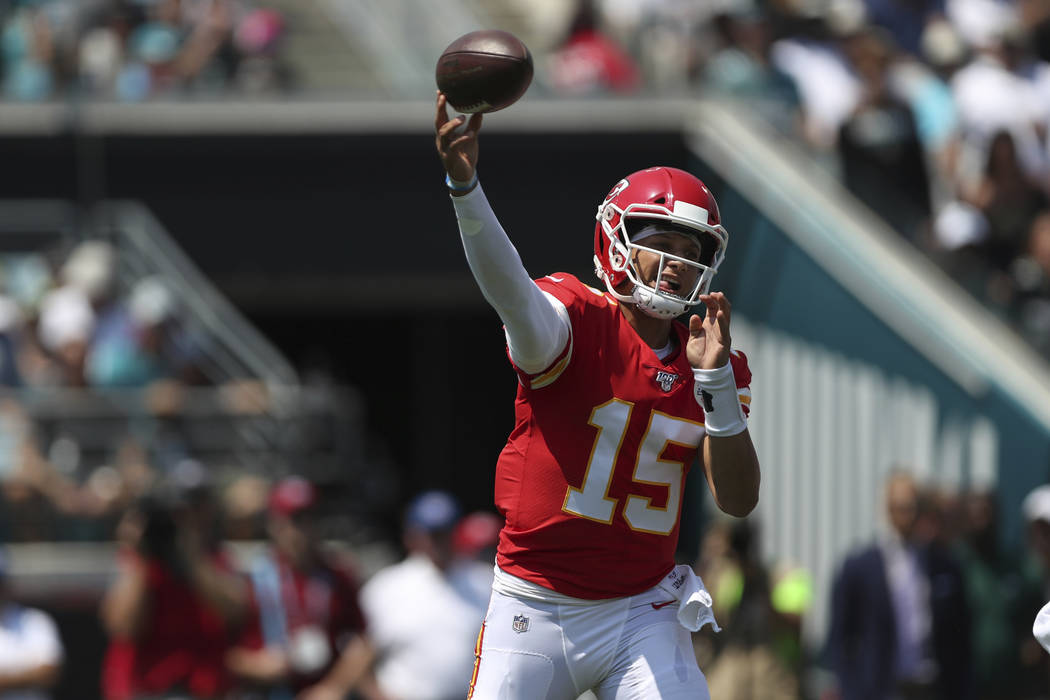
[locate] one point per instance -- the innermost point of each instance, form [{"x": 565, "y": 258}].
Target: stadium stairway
[{"x": 320, "y": 54}]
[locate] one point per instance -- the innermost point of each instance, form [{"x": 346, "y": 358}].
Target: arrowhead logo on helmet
[{"x": 661, "y": 194}]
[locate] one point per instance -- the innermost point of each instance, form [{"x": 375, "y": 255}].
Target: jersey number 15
[{"x": 592, "y": 501}]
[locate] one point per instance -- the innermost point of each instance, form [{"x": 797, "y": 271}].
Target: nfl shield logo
[{"x": 520, "y": 624}]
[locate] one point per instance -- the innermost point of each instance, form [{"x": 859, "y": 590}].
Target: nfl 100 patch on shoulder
[{"x": 666, "y": 379}]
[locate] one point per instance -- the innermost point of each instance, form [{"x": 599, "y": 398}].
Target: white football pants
[{"x": 623, "y": 649}]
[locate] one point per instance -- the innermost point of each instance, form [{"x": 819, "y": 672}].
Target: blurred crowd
[
  {"x": 132, "y": 50},
  {"x": 294, "y": 616},
  {"x": 936, "y": 606},
  {"x": 69, "y": 320},
  {"x": 934, "y": 113},
  {"x": 209, "y": 604}
]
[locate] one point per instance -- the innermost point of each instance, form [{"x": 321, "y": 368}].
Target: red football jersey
[{"x": 590, "y": 481}]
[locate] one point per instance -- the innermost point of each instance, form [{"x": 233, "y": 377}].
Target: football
[{"x": 484, "y": 71}]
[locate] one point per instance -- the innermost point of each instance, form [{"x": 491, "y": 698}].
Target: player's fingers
[
  {"x": 474, "y": 125},
  {"x": 695, "y": 325},
  {"x": 442, "y": 113},
  {"x": 711, "y": 304},
  {"x": 722, "y": 321},
  {"x": 448, "y": 129},
  {"x": 461, "y": 141},
  {"x": 725, "y": 307}
]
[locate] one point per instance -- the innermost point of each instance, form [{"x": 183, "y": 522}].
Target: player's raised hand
[
  {"x": 457, "y": 147},
  {"x": 709, "y": 340}
]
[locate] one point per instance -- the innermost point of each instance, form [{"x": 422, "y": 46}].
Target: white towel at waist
[{"x": 694, "y": 602}]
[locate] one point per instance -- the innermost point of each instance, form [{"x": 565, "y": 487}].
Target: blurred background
[{"x": 226, "y": 252}]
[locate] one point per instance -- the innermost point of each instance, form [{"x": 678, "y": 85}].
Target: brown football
[{"x": 484, "y": 71}]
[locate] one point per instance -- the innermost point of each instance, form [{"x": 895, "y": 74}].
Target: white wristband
[{"x": 715, "y": 390}]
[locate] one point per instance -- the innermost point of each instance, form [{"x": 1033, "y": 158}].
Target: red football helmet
[{"x": 680, "y": 201}]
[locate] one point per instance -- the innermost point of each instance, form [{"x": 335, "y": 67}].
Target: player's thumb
[{"x": 696, "y": 326}]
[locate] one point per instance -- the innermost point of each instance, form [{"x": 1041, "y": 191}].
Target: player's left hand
[{"x": 709, "y": 340}]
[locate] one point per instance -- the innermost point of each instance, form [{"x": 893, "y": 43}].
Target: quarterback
[{"x": 616, "y": 400}]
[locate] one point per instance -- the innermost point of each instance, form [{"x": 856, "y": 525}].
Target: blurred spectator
[
  {"x": 900, "y": 622},
  {"x": 31, "y": 651},
  {"x": 102, "y": 49},
  {"x": 958, "y": 243},
  {"x": 1001, "y": 599},
  {"x": 27, "y": 515},
  {"x": 883, "y": 161},
  {"x": 142, "y": 341},
  {"x": 904, "y": 20},
  {"x": 995, "y": 92},
  {"x": 923, "y": 84},
  {"x": 747, "y": 664},
  {"x": 1031, "y": 278},
  {"x": 1009, "y": 199},
  {"x": 64, "y": 327},
  {"x": 306, "y": 635},
  {"x": 424, "y": 613},
  {"x": 588, "y": 61},
  {"x": 168, "y": 52},
  {"x": 134, "y": 50},
  {"x": 12, "y": 332},
  {"x": 477, "y": 535},
  {"x": 171, "y": 610},
  {"x": 67, "y": 316},
  {"x": 91, "y": 267},
  {"x": 829, "y": 90},
  {"x": 259, "y": 67},
  {"x": 244, "y": 502},
  {"x": 743, "y": 69},
  {"x": 27, "y": 50},
  {"x": 474, "y": 542}
]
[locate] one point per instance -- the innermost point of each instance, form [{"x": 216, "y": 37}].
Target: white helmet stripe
[{"x": 691, "y": 212}]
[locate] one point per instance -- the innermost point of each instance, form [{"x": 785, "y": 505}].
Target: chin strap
[{"x": 655, "y": 305}]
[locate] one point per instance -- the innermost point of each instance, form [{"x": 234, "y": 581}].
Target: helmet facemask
[{"x": 639, "y": 221}]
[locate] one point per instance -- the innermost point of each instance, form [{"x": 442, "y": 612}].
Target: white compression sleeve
[{"x": 537, "y": 324}]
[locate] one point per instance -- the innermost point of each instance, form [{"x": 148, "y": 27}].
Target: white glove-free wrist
[{"x": 715, "y": 390}]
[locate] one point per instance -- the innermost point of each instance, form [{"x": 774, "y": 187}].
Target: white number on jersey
[{"x": 592, "y": 501}]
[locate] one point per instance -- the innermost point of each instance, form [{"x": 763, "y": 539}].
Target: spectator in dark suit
[{"x": 900, "y": 626}]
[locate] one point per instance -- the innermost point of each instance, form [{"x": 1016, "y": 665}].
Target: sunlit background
[{"x": 225, "y": 241}]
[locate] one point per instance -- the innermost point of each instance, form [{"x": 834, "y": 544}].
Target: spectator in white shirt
[
  {"x": 424, "y": 613},
  {"x": 31, "y": 651}
]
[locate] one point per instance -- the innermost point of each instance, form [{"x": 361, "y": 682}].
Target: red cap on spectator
[
  {"x": 291, "y": 495},
  {"x": 475, "y": 532}
]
